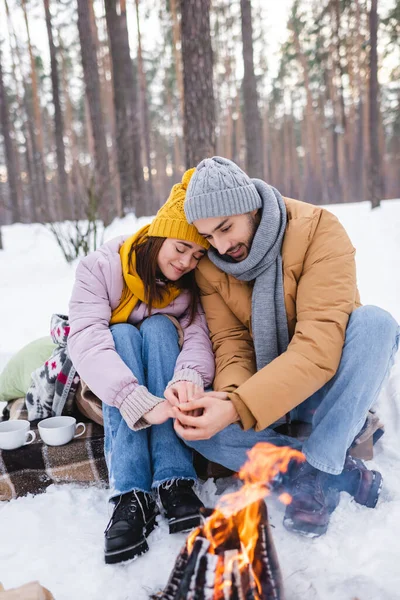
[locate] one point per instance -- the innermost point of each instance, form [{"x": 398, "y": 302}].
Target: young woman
[{"x": 138, "y": 335}]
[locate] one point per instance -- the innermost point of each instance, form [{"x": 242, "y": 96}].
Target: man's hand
[
  {"x": 217, "y": 413},
  {"x": 159, "y": 414},
  {"x": 183, "y": 391}
]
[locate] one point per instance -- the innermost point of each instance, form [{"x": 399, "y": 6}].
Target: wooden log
[
  {"x": 193, "y": 575},
  {"x": 202, "y": 586},
  {"x": 175, "y": 577},
  {"x": 266, "y": 566},
  {"x": 29, "y": 591},
  {"x": 205, "y": 575}
]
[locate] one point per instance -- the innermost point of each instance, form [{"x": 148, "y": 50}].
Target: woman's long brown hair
[{"x": 147, "y": 268}]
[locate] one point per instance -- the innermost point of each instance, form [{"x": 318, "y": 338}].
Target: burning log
[
  {"x": 225, "y": 572},
  {"x": 232, "y": 555}
]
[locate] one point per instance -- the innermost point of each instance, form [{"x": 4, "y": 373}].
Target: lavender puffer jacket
[{"x": 96, "y": 293}]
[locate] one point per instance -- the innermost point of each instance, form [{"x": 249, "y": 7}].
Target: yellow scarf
[{"x": 133, "y": 291}]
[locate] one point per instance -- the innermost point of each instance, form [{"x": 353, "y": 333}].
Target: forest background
[{"x": 104, "y": 103}]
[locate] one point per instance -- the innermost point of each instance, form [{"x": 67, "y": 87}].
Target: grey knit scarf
[{"x": 264, "y": 264}]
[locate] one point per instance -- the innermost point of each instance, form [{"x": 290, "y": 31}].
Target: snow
[{"x": 57, "y": 537}]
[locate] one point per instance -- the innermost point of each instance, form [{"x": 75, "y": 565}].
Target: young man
[{"x": 290, "y": 338}]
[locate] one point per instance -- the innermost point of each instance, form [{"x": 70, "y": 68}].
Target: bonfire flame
[{"x": 235, "y": 521}]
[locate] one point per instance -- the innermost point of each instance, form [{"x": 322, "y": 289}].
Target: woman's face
[{"x": 178, "y": 257}]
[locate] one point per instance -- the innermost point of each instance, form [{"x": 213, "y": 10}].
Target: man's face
[{"x": 232, "y": 236}]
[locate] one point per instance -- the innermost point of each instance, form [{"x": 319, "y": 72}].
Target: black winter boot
[
  {"x": 133, "y": 519},
  {"x": 181, "y": 505}
]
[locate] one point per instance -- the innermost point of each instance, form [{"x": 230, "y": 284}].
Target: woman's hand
[
  {"x": 159, "y": 414},
  {"x": 182, "y": 391}
]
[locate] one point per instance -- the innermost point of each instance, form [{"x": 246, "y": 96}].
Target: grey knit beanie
[{"x": 219, "y": 188}]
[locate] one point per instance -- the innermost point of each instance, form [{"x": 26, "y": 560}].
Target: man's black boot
[
  {"x": 181, "y": 505},
  {"x": 133, "y": 519},
  {"x": 313, "y": 502}
]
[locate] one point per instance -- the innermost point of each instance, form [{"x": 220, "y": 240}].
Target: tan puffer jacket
[{"x": 320, "y": 293}]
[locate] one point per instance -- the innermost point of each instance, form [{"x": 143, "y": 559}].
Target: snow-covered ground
[{"x": 57, "y": 537}]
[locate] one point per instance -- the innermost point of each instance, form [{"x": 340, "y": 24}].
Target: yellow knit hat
[{"x": 170, "y": 221}]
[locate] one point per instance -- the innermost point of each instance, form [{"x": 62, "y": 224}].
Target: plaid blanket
[{"x": 32, "y": 468}]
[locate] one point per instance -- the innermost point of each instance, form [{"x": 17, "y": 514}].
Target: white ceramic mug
[
  {"x": 57, "y": 431},
  {"x": 15, "y": 433}
]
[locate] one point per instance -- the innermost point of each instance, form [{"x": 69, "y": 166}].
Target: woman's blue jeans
[
  {"x": 337, "y": 411},
  {"x": 142, "y": 460}
]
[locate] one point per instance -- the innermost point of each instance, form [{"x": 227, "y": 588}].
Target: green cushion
[{"x": 15, "y": 379}]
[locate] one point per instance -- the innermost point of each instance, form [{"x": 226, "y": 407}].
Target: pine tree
[{"x": 199, "y": 118}]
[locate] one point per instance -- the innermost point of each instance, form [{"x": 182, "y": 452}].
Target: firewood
[
  {"x": 266, "y": 566},
  {"x": 218, "y": 573},
  {"x": 29, "y": 591}
]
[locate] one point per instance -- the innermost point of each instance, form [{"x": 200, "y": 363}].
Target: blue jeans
[
  {"x": 337, "y": 411},
  {"x": 142, "y": 460}
]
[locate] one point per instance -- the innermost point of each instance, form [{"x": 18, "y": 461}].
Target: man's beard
[{"x": 253, "y": 221}]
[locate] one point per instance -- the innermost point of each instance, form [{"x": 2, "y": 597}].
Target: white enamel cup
[
  {"x": 15, "y": 433},
  {"x": 57, "y": 431}
]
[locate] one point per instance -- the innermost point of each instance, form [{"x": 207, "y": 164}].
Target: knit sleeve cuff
[
  {"x": 247, "y": 420},
  {"x": 137, "y": 404},
  {"x": 187, "y": 375}
]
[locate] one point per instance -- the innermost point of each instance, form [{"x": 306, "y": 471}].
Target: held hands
[
  {"x": 198, "y": 415},
  {"x": 182, "y": 392},
  {"x": 179, "y": 393},
  {"x": 216, "y": 413}
]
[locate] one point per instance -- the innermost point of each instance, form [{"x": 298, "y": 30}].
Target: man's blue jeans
[
  {"x": 337, "y": 411},
  {"x": 142, "y": 460}
]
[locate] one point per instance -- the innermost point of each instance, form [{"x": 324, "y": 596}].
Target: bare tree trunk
[
  {"x": 68, "y": 114},
  {"x": 287, "y": 156},
  {"x": 17, "y": 116},
  {"x": 267, "y": 145},
  {"x": 229, "y": 132},
  {"x": 144, "y": 110},
  {"x": 346, "y": 156},
  {"x": 313, "y": 183},
  {"x": 334, "y": 175},
  {"x": 63, "y": 184},
  {"x": 11, "y": 162},
  {"x": 175, "y": 150},
  {"x": 359, "y": 142},
  {"x": 107, "y": 102},
  {"x": 87, "y": 36},
  {"x": 218, "y": 54},
  {"x": 132, "y": 106},
  {"x": 375, "y": 159},
  {"x": 252, "y": 118},
  {"x": 34, "y": 82},
  {"x": 295, "y": 176},
  {"x": 122, "y": 124},
  {"x": 26, "y": 131},
  {"x": 44, "y": 210},
  {"x": 75, "y": 190},
  {"x": 176, "y": 33},
  {"x": 199, "y": 118},
  {"x": 227, "y": 31}
]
